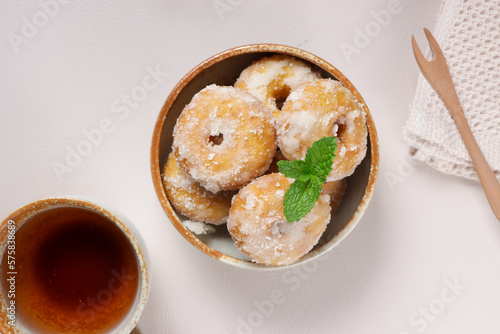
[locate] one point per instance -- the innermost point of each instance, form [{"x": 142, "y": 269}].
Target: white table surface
[{"x": 424, "y": 258}]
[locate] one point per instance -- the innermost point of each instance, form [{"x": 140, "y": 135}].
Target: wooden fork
[{"x": 438, "y": 75}]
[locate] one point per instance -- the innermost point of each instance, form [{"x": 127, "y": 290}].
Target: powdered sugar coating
[
  {"x": 198, "y": 227},
  {"x": 191, "y": 199},
  {"x": 246, "y": 131},
  {"x": 272, "y": 78},
  {"x": 259, "y": 228},
  {"x": 319, "y": 109}
]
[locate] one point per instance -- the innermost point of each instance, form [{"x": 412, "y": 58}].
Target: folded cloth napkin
[{"x": 468, "y": 32}]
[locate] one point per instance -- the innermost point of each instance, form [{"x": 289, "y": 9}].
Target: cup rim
[
  {"x": 237, "y": 51},
  {"x": 23, "y": 213}
]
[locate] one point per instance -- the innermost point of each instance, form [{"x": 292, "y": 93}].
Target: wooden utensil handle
[
  {"x": 488, "y": 180},
  {"x": 438, "y": 75}
]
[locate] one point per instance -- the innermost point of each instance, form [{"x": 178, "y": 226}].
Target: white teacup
[{"x": 84, "y": 266}]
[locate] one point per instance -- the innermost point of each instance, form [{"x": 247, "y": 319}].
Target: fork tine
[
  {"x": 437, "y": 53},
  {"x": 418, "y": 54}
]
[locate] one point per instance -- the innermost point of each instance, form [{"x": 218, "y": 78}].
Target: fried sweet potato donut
[
  {"x": 271, "y": 79},
  {"x": 336, "y": 190},
  {"x": 258, "y": 226},
  {"x": 273, "y": 168},
  {"x": 224, "y": 138},
  {"x": 191, "y": 199},
  {"x": 318, "y": 109}
]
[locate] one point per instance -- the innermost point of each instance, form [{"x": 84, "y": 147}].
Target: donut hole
[
  {"x": 216, "y": 140},
  {"x": 281, "y": 227},
  {"x": 279, "y": 102},
  {"x": 341, "y": 128},
  {"x": 281, "y": 95}
]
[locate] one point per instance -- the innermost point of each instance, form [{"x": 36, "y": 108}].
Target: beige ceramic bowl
[
  {"x": 22, "y": 214},
  {"x": 223, "y": 69}
]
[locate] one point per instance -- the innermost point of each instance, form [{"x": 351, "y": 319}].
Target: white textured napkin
[{"x": 468, "y": 32}]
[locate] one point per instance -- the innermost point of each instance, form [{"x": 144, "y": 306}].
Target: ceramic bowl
[{"x": 223, "y": 69}]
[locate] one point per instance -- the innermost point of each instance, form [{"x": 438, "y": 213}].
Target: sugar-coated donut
[
  {"x": 273, "y": 168},
  {"x": 336, "y": 190},
  {"x": 191, "y": 199},
  {"x": 259, "y": 228},
  {"x": 272, "y": 78},
  {"x": 224, "y": 138},
  {"x": 318, "y": 109}
]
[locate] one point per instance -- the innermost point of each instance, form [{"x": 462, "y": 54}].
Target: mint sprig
[{"x": 309, "y": 175}]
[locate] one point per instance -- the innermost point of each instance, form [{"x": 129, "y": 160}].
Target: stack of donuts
[{"x": 228, "y": 139}]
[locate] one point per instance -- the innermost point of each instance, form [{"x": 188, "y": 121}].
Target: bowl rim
[{"x": 230, "y": 53}]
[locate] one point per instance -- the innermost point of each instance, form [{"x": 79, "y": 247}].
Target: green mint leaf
[
  {"x": 304, "y": 177},
  {"x": 309, "y": 175},
  {"x": 300, "y": 198},
  {"x": 292, "y": 169},
  {"x": 319, "y": 157}
]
